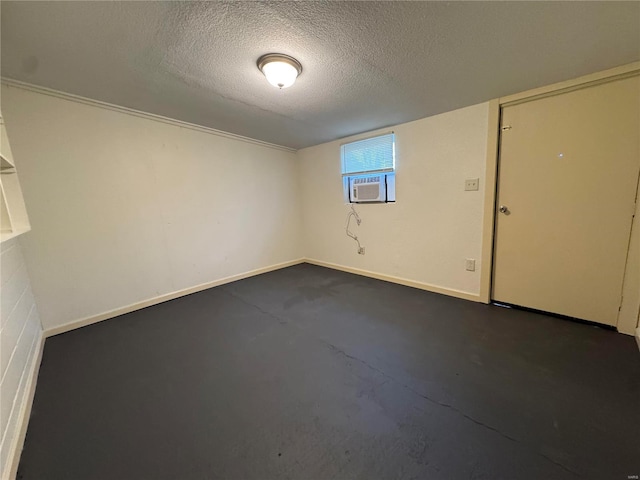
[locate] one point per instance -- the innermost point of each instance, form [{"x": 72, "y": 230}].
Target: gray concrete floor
[{"x": 310, "y": 373}]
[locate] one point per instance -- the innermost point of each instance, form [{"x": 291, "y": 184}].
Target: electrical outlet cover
[{"x": 472, "y": 184}]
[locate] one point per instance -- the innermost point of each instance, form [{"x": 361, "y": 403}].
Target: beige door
[{"x": 567, "y": 179}]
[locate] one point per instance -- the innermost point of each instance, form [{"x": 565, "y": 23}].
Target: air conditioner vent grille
[
  {"x": 367, "y": 180},
  {"x": 368, "y": 189},
  {"x": 369, "y": 192}
]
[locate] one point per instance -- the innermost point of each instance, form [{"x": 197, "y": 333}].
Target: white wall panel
[{"x": 19, "y": 336}]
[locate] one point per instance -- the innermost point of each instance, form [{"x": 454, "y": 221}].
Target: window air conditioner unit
[{"x": 368, "y": 189}]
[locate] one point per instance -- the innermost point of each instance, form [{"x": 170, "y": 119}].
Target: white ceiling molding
[
  {"x": 367, "y": 65},
  {"x": 137, "y": 113}
]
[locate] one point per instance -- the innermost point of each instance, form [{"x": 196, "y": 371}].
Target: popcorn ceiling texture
[{"x": 366, "y": 65}]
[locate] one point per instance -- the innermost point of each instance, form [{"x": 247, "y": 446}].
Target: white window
[{"x": 368, "y": 170}]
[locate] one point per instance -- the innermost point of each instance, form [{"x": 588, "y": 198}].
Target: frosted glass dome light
[{"x": 281, "y": 70}]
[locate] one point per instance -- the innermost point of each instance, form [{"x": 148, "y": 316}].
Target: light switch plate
[{"x": 472, "y": 184}]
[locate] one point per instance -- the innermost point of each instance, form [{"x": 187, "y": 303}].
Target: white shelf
[
  {"x": 5, "y": 164},
  {"x": 14, "y": 220},
  {"x": 4, "y": 236},
  {"x": 5, "y": 221},
  {"x": 6, "y": 157}
]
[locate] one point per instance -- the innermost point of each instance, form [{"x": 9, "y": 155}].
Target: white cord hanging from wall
[{"x": 353, "y": 213}]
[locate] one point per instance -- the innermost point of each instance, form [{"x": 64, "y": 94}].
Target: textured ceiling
[{"x": 366, "y": 64}]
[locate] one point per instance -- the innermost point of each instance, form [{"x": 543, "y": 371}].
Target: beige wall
[
  {"x": 166, "y": 208},
  {"x": 630, "y": 309},
  {"x": 124, "y": 209},
  {"x": 435, "y": 224},
  {"x": 20, "y": 334}
]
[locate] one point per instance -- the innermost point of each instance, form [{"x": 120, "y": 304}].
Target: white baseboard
[
  {"x": 163, "y": 298},
  {"x": 24, "y": 413},
  {"x": 204, "y": 286},
  {"x": 474, "y": 297}
]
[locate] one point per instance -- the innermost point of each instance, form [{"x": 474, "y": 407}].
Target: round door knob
[{"x": 503, "y": 209}]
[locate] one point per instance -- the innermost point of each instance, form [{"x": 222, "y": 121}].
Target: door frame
[{"x": 493, "y": 152}]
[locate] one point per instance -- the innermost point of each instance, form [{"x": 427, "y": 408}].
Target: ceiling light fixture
[{"x": 281, "y": 70}]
